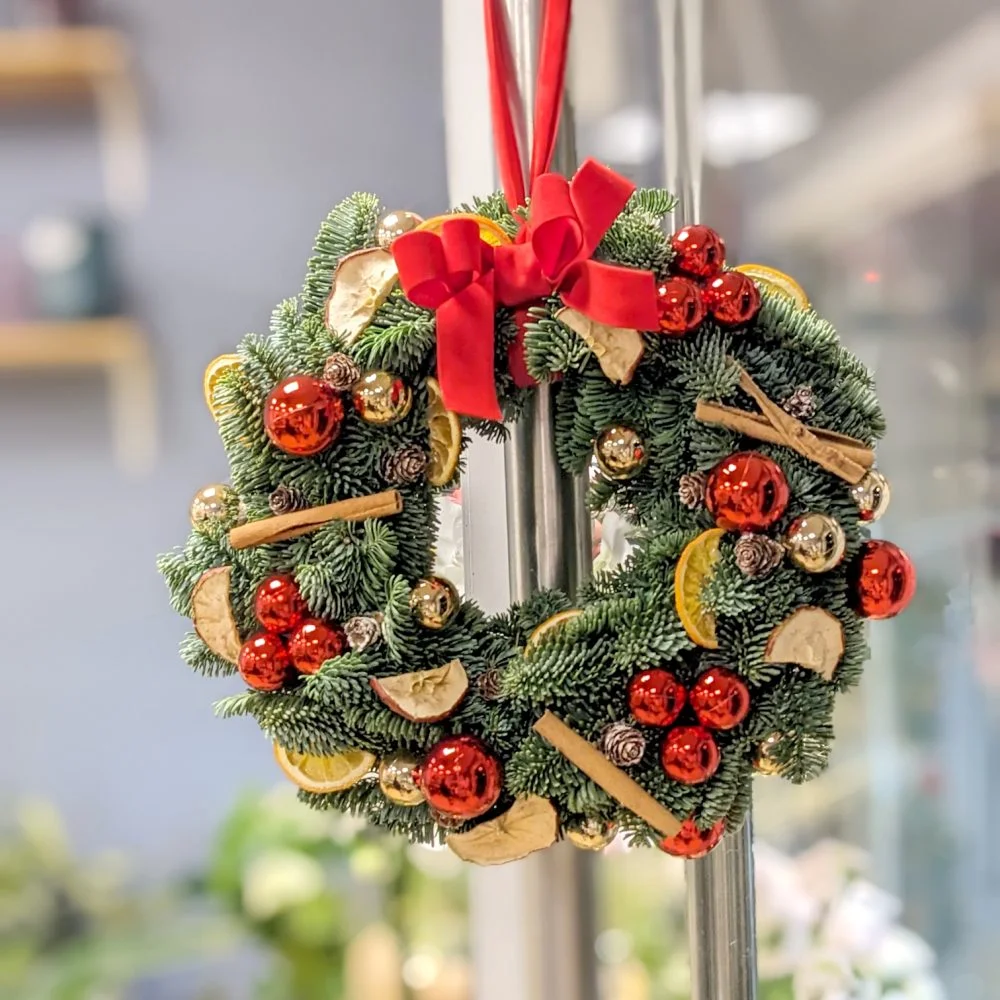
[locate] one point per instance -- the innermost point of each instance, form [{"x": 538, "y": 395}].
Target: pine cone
[
  {"x": 757, "y": 555},
  {"x": 801, "y": 404},
  {"x": 622, "y": 744},
  {"x": 407, "y": 465},
  {"x": 489, "y": 683},
  {"x": 341, "y": 372},
  {"x": 363, "y": 631},
  {"x": 285, "y": 499},
  {"x": 691, "y": 489}
]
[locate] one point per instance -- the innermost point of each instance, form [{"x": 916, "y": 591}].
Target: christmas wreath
[{"x": 712, "y": 407}]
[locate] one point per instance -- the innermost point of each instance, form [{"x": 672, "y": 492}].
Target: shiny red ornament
[
  {"x": 732, "y": 298},
  {"x": 460, "y": 777},
  {"x": 264, "y": 662},
  {"x": 883, "y": 580},
  {"x": 698, "y": 251},
  {"x": 313, "y": 643},
  {"x": 746, "y": 492},
  {"x": 720, "y": 699},
  {"x": 303, "y": 415},
  {"x": 278, "y": 605},
  {"x": 656, "y": 697},
  {"x": 690, "y": 754},
  {"x": 680, "y": 306},
  {"x": 690, "y": 842}
]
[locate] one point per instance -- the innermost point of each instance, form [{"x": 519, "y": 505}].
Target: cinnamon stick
[
  {"x": 760, "y": 428},
  {"x": 301, "y": 522},
  {"x": 612, "y": 779}
]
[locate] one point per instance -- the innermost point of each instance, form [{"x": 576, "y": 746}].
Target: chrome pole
[
  {"x": 549, "y": 545},
  {"x": 721, "y": 924}
]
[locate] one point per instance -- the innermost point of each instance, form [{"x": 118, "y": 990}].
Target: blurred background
[{"x": 163, "y": 169}]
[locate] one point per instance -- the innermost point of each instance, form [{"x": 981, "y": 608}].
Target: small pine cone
[
  {"x": 407, "y": 465},
  {"x": 489, "y": 683},
  {"x": 801, "y": 404},
  {"x": 341, "y": 372},
  {"x": 363, "y": 631},
  {"x": 692, "y": 489},
  {"x": 757, "y": 555},
  {"x": 285, "y": 499},
  {"x": 622, "y": 744}
]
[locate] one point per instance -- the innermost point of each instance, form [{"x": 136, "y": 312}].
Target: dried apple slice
[
  {"x": 361, "y": 283},
  {"x": 424, "y": 695},
  {"x": 212, "y": 614},
  {"x": 811, "y": 637},
  {"x": 617, "y": 349},
  {"x": 531, "y": 824}
]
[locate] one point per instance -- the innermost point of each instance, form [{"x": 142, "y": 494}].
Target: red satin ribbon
[{"x": 464, "y": 279}]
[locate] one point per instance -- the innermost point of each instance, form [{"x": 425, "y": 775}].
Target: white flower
[
  {"x": 828, "y": 866},
  {"x": 858, "y": 919},
  {"x": 898, "y": 954},
  {"x": 278, "y": 880},
  {"x": 824, "y": 976}
]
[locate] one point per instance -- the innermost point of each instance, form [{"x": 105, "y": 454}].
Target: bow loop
[
  {"x": 433, "y": 267},
  {"x": 599, "y": 195},
  {"x": 556, "y": 235}
]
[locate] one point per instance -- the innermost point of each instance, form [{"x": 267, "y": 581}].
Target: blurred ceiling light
[
  {"x": 629, "y": 136},
  {"x": 753, "y": 125}
]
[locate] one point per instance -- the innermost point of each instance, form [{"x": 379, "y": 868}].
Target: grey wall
[{"x": 262, "y": 115}]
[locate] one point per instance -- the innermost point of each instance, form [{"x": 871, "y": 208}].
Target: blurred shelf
[
  {"x": 60, "y": 62},
  {"x": 94, "y": 64},
  {"x": 115, "y": 345}
]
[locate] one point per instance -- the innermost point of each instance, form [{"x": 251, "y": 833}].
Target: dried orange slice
[
  {"x": 446, "y": 437},
  {"x": 215, "y": 370},
  {"x": 776, "y": 281},
  {"x": 694, "y": 568},
  {"x": 550, "y": 625},
  {"x": 489, "y": 231},
  {"x": 324, "y": 774}
]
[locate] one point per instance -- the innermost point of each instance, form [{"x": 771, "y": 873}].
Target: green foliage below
[{"x": 629, "y": 621}]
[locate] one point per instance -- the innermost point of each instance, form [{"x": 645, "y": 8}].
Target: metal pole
[
  {"x": 721, "y": 925},
  {"x": 549, "y": 545}
]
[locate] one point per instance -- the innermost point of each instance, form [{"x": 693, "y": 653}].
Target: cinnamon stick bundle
[{"x": 301, "y": 522}]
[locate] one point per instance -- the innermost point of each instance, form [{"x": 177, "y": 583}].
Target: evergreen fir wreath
[{"x": 710, "y": 404}]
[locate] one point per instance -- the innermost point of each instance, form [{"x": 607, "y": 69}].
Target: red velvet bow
[
  {"x": 452, "y": 273},
  {"x": 567, "y": 221}
]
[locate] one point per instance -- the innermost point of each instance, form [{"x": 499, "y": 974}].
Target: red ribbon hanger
[{"x": 464, "y": 279}]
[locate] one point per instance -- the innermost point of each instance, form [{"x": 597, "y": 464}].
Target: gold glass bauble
[
  {"x": 620, "y": 452},
  {"x": 764, "y": 762},
  {"x": 394, "y": 224},
  {"x": 872, "y": 495},
  {"x": 214, "y": 504},
  {"x": 815, "y": 542},
  {"x": 397, "y": 777},
  {"x": 592, "y": 834},
  {"x": 434, "y": 601},
  {"x": 382, "y": 398}
]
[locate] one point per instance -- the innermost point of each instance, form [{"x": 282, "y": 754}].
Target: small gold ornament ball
[
  {"x": 397, "y": 777},
  {"x": 592, "y": 834},
  {"x": 815, "y": 542},
  {"x": 382, "y": 398},
  {"x": 394, "y": 224},
  {"x": 620, "y": 452},
  {"x": 434, "y": 601},
  {"x": 764, "y": 762},
  {"x": 872, "y": 495},
  {"x": 213, "y": 504}
]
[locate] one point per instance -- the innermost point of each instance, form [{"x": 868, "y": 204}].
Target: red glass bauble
[
  {"x": 732, "y": 298},
  {"x": 680, "y": 304},
  {"x": 278, "y": 605},
  {"x": 656, "y": 697},
  {"x": 690, "y": 842},
  {"x": 264, "y": 662},
  {"x": 720, "y": 699},
  {"x": 699, "y": 251},
  {"x": 303, "y": 415},
  {"x": 460, "y": 777},
  {"x": 690, "y": 754},
  {"x": 746, "y": 492},
  {"x": 313, "y": 643},
  {"x": 883, "y": 580}
]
